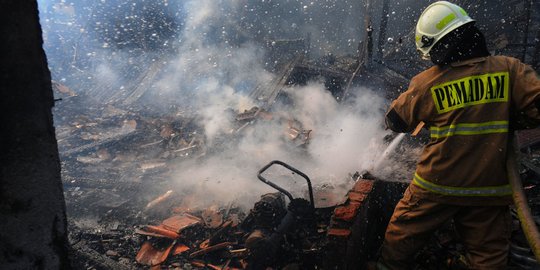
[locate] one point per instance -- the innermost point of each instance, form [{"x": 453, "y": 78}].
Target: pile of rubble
[
  {"x": 114, "y": 159},
  {"x": 272, "y": 234},
  {"x": 178, "y": 240}
]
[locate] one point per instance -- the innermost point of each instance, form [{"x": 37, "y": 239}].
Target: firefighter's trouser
[{"x": 485, "y": 231}]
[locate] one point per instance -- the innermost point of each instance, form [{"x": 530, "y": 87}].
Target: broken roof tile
[
  {"x": 160, "y": 230},
  {"x": 177, "y": 223},
  {"x": 179, "y": 249},
  {"x": 149, "y": 255},
  {"x": 212, "y": 218},
  {"x": 210, "y": 249}
]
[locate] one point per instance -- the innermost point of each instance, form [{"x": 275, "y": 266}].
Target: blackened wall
[{"x": 32, "y": 208}]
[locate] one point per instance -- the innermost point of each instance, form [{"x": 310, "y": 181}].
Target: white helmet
[{"x": 437, "y": 20}]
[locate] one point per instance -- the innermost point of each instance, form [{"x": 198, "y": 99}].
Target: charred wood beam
[
  {"x": 369, "y": 44},
  {"x": 106, "y": 141},
  {"x": 282, "y": 81},
  {"x": 536, "y": 56},
  {"x": 349, "y": 83},
  {"x": 267, "y": 93},
  {"x": 528, "y": 4},
  {"x": 381, "y": 75},
  {"x": 365, "y": 47},
  {"x": 523, "y": 45},
  {"x": 514, "y": 2},
  {"x": 318, "y": 70},
  {"x": 386, "y": 71},
  {"x": 70, "y": 182},
  {"x": 82, "y": 253},
  {"x": 531, "y": 166},
  {"x": 382, "y": 30},
  {"x": 143, "y": 83},
  {"x": 397, "y": 60}
]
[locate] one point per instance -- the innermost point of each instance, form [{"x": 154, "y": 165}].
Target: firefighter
[{"x": 470, "y": 101}]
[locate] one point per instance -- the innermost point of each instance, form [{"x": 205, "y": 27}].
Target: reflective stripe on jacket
[
  {"x": 503, "y": 190},
  {"x": 469, "y": 129}
]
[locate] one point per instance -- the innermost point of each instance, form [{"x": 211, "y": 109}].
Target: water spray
[{"x": 391, "y": 147}]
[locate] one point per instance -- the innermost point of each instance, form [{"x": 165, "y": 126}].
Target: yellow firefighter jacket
[{"x": 469, "y": 108}]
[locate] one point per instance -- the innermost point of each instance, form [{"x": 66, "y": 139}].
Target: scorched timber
[{"x": 266, "y": 94}]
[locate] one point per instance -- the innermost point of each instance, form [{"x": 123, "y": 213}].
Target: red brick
[
  {"x": 356, "y": 196},
  {"x": 339, "y": 232},
  {"x": 346, "y": 212},
  {"x": 363, "y": 186}
]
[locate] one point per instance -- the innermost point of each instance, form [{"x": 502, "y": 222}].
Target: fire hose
[{"x": 520, "y": 200}]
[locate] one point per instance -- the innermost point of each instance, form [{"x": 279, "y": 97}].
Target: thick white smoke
[
  {"x": 213, "y": 66},
  {"x": 345, "y": 139},
  {"x": 212, "y": 76}
]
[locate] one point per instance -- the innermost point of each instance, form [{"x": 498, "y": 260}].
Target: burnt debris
[{"x": 119, "y": 151}]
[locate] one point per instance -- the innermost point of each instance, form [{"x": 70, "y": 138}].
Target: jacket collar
[{"x": 468, "y": 62}]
